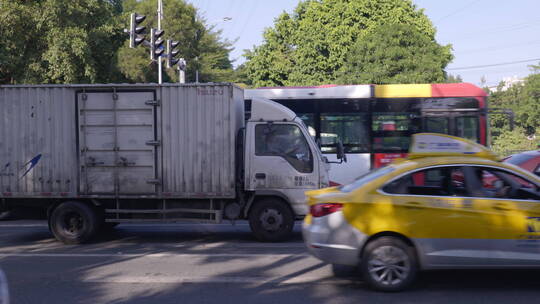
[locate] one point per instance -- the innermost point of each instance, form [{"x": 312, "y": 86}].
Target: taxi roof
[
  {"x": 404, "y": 165},
  {"x": 432, "y": 149}
]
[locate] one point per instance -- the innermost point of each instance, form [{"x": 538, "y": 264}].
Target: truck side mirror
[{"x": 340, "y": 151}]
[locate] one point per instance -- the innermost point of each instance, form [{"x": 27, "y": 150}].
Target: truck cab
[{"x": 282, "y": 161}]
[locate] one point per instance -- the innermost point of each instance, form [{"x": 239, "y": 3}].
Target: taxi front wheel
[{"x": 388, "y": 264}]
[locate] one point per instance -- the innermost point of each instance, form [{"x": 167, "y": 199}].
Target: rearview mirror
[{"x": 340, "y": 151}]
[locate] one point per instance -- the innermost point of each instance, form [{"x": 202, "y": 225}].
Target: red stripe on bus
[{"x": 457, "y": 90}]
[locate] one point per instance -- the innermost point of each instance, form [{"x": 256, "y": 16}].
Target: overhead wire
[
  {"x": 250, "y": 15},
  {"x": 493, "y": 65},
  {"x": 458, "y": 10},
  {"x": 498, "y": 47}
]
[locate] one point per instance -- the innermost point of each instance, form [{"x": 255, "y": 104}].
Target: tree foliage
[
  {"x": 58, "y": 41},
  {"x": 396, "y": 53},
  {"x": 82, "y": 41},
  {"x": 453, "y": 79},
  {"x": 311, "y": 45},
  {"x": 524, "y": 101},
  {"x": 200, "y": 45}
]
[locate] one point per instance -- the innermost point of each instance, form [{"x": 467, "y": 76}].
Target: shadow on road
[{"x": 62, "y": 279}]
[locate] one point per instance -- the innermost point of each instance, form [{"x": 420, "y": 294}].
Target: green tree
[
  {"x": 396, "y": 53},
  {"x": 58, "y": 41},
  {"x": 453, "y": 79},
  {"x": 523, "y": 100},
  {"x": 201, "y": 46},
  {"x": 311, "y": 45},
  {"x": 513, "y": 141}
]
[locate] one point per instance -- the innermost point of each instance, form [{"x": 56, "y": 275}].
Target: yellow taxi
[{"x": 450, "y": 204}]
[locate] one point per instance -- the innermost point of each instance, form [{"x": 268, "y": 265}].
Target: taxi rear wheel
[{"x": 388, "y": 264}]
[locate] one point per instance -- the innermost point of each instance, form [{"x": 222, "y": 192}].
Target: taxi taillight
[{"x": 324, "y": 209}]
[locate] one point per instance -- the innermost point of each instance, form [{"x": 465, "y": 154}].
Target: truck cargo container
[{"x": 92, "y": 156}]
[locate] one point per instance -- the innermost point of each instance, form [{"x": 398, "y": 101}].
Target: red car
[{"x": 529, "y": 161}]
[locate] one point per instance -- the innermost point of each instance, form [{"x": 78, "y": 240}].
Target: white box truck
[{"x": 92, "y": 156}]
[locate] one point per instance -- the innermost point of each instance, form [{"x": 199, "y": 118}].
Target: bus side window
[
  {"x": 352, "y": 129},
  {"x": 467, "y": 127}
]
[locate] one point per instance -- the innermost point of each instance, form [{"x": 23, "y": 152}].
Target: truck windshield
[
  {"x": 366, "y": 178},
  {"x": 284, "y": 140}
]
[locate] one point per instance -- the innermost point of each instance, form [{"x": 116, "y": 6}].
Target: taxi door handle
[
  {"x": 413, "y": 205},
  {"x": 501, "y": 207}
]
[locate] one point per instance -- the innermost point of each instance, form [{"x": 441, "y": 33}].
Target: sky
[{"x": 481, "y": 32}]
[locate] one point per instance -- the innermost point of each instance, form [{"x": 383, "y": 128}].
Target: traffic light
[
  {"x": 156, "y": 43},
  {"x": 135, "y": 31},
  {"x": 172, "y": 53}
]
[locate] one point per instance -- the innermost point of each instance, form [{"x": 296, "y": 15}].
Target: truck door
[
  {"x": 281, "y": 162},
  {"x": 117, "y": 142}
]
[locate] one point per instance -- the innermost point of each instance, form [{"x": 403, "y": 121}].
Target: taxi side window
[
  {"x": 441, "y": 181},
  {"x": 495, "y": 183}
]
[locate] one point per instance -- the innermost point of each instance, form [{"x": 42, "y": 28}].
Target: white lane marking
[
  {"x": 196, "y": 245},
  {"x": 159, "y": 225},
  {"x": 149, "y": 255},
  {"x": 243, "y": 280},
  {"x": 23, "y": 225}
]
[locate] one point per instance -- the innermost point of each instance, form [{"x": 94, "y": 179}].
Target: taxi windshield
[{"x": 366, "y": 178}]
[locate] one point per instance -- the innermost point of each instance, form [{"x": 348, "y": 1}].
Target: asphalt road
[{"x": 194, "y": 263}]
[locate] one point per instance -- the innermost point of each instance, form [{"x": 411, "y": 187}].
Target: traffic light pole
[
  {"x": 181, "y": 76},
  {"x": 160, "y": 16}
]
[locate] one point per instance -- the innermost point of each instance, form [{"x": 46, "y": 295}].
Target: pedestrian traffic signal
[
  {"x": 136, "y": 32},
  {"x": 172, "y": 53},
  {"x": 156, "y": 43}
]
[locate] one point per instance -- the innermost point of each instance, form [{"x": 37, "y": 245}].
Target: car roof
[{"x": 417, "y": 163}]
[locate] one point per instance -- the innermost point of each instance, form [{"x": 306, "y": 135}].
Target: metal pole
[
  {"x": 181, "y": 76},
  {"x": 182, "y": 70},
  {"x": 160, "y": 64}
]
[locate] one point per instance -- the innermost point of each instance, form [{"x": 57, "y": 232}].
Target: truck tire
[
  {"x": 388, "y": 264},
  {"x": 271, "y": 220},
  {"x": 74, "y": 222},
  {"x": 6, "y": 215}
]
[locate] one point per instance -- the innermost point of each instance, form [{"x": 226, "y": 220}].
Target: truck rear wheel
[
  {"x": 73, "y": 222},
  {"x": 271, "y": 220}
]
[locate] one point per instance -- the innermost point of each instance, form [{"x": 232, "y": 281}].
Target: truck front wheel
[
  {"x": 73, "y": 222},
  {"x": 271, "y": 220},
  {"x": 6, "y": 215}
]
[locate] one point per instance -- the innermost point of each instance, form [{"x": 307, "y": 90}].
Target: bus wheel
[
  {"x": 73, "y": 222},
  {"x": 388, "y": 264},
  {"x": 271, "y": 220}
]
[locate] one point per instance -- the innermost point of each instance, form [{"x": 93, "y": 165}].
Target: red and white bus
[{"x": 375, "y": 122}]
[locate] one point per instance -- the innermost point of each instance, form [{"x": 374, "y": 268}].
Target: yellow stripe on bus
[{"x": 402, "y": 90}]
